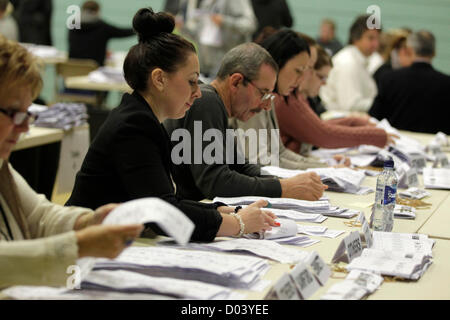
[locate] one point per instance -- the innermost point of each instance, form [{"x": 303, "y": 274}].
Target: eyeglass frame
[
  {"x": 19, "y": 117},
  {"x": 265, "y": 96}
]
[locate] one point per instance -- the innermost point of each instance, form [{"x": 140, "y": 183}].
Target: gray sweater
[{"x": 234, "y": 176}]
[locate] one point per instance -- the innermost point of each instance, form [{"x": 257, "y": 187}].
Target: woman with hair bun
[{"x": 130, "y": 157}]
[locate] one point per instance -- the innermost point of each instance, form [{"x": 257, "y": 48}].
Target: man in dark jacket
[
  {"x": 90, "y": 42},
  {"x": 416, "y": 98},
  {"x": 272, "y": 13},
  {"x": 34, "y": 18}
]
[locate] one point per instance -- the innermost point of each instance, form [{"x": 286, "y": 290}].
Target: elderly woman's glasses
[{"x": 18, "y": 117}]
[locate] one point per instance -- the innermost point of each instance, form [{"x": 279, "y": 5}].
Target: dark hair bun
[{"x": 149, "y": 24}]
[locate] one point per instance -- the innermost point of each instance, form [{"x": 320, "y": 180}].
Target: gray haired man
[{"x": 242, "y": 88}]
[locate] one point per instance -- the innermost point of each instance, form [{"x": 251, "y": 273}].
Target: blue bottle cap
[{"x": 389, "y": 163}]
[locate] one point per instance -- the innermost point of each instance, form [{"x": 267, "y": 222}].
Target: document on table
[
  {"x": 436, "y": 178},
  {"x": 356, "y": 285},
  {"x": 169, "y": 218},
  {"x": 132, "y": 282},
  {"x": 319, "y": 231},
  {"x": 262, "y": 248},
  {"x": 404, "y": 212},
  {"x": 235, "y": 271},
  {"x": 414, "y": 193},
  {"x": 297, "y": 215}
]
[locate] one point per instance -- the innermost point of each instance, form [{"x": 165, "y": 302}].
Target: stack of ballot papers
[
  {"x": 357, "y": 285},
  {"x": 404, "y": 212},
  {"x": 319, "y": 231},
  {"x": 52, "y": 293},
  {"x": 132, "y": 282},
  {"x": 297, "y": 216},
  {"x": 337, "y": 179},
  {"x": 233, "y": 271},
  {"x": 61, "y": 115},
  {"x": 286, "y": 233},
  {"x": 42, "y": 51},
  {"x": 414, "y": 193},
  {"x": 401, "y": 255},
  {"x": 261, "y": 248},
  {"x": 436, "y": 178},
  {"x": 322, "y": 207},
  {"x": 107, "y": 74}
]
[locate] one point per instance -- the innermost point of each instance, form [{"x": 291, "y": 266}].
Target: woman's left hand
[{"x": 95, "y": 218}]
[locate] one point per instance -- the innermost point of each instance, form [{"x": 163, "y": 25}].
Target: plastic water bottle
[{"x": 385, "y": 197}]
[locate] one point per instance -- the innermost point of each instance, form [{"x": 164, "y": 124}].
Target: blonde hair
[{"x": 18, "y": 69}]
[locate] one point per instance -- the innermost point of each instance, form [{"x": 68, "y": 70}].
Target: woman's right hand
[
  {"x": 106, "y": 241},
  {"x": 255, "y": 219}
]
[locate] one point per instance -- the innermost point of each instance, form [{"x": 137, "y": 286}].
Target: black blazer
[
  {"x": 416, "y": 98},
  {"x": 130, "y": 159}
]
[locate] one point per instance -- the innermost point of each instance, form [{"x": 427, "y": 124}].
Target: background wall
[{"x": 433, "y": 15}]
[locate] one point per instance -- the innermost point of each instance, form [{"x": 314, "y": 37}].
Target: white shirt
[{"x": 350, "y": 86}]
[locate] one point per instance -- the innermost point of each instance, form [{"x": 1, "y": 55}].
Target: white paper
[
  {"x": 174, "y": 222},
  {"x": 436, "y": 178}
]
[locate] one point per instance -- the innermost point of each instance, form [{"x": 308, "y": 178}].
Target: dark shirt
[
  {"x": 90, "y": 42},
  {"x": 381, "y": 71},
  {"x": 416, "y": 98},
  {"x": 317, "y": 105},
  {"x": 228, "y": 178},
  {"x": 273, "y": 13},
  {"x": 332, "y": 46},
  {"x": 130, "y": 159}
]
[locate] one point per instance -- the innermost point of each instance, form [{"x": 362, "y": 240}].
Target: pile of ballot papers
[
  {"x": 211, "y": 267},
  {"x": 337, "y": 179},
  {"x": 107, "y": 74},
  {"x": 436, "y": 178},
  {"x": 357, "y": 285},
  {"x": 61, "y": 115},
  {"x": 321, "y": 206},
  {"x": 400, "y": 255}
]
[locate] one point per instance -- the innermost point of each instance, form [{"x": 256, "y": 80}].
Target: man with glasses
[{"x": 243, "y": 87}]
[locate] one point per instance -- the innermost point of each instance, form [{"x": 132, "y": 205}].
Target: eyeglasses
[
  {"x": 18, "y": 117},
  {"x": 265, "y": 96}
]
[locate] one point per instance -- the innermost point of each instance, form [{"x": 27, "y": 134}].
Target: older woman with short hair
[{"x": 39, "y": 240}]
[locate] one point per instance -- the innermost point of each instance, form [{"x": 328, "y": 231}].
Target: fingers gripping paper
[{"x": 147, "y": 210}]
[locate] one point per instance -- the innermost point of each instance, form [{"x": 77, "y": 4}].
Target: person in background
[
  {"x": 241, "y": 90},
  {"x": 272, "y": 13},
  {"x": 327, "y": 37},
  {"x": 292, "y": 54},
  {"x": 415, "y": 98},
  {"x": 91, "y": 40},
  {"x": 301, "y": 127},
  {"x": 350, "y": 86},
  {"x": 395, "y": 54},
  {"x": 34, "y": 18},
  {"x": 8, "y": 26},
  {"x": 39, "y": 240},
  {"x": 131, "y": 156},
  {"x": 217, "y": 26}
]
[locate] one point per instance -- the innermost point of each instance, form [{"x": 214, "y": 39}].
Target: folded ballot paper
[
  {"x": 241, "y": 272},
  {"x": 337, "y": 179},
  {"x": 322, "y": 207},
  {"x": 61, "y": 115},
  {"x": 436, "y": 178},
  {"x": 401, "y": 255}
]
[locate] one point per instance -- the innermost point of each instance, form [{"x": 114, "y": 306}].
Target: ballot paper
[
  {"x": 317, "y": 207},
  {"x": 51, "y": 293},
  {"x": 414, "y": 193},
  {"x": 297, "y": 216},
  {"x": 362, "y": 160},
  {"x": 61, "y": 116},
  {"x": 280, "y": 172},
  {"x": 132, "y": 282},
  {"x": 396, "y": 254},
  {"x": 234, "y": 271},
  {"x": 319, "y": 231},
  {"x": 141, "y": 211},
  {"x": 436, "y": 178},
  {"x": 357, "y": 285},
  {"x": 404, "y": 212},
  {"x": 262, "y": 248},
  {"x": 441, "y": 140},
  {"x": 407, "y": 176},
  {"x": 107, "y": 75}
]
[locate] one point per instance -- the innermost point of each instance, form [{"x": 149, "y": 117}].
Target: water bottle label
[{"x": 389, "y": 194}]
